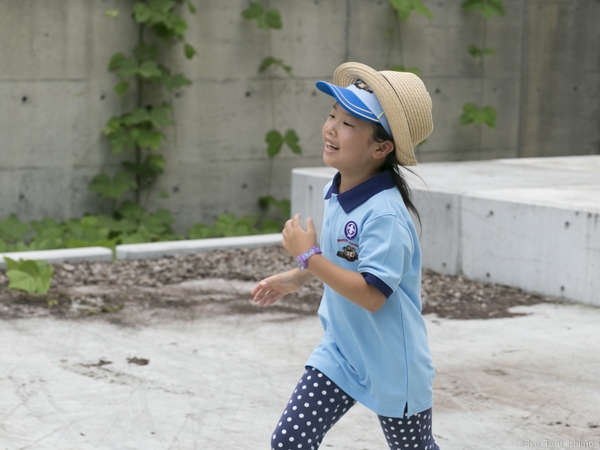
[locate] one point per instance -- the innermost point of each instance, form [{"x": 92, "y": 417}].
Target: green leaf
[
  {"x": 152, "y": 166},
  {"x": 127, "y": 69},
  {"x": 121, "y": 87},
  {"x": 400, "y": 68},
  {"x": 144, "y": 51},
  {"x": 111, "y": 12},
  {"x": 149, "y": 70},
  {"x": 115, "y": 188},
  {"x": 291, "y": 139},
  {"x": 29, "y": 276},
  {"x": 175, "y": 81},
  {"x": 141, "y": 12},
  {"x": 163, "y": 194},
  {"x": 253, "y": 11},
  {"x": 273, "y": 19},
  {"x": 130, "y": 210},
  {"x": 480, "y": 52},
  {"x": 275, "y": 140},
  {"x": 159, "y": 115},
  {"x": 420, "y": 8},
  {"x": 199, "y": 231},
  {"x": 488, "y": 8},
  {"x": 116, "y": 61},
  {"x": 405, "y": 7},
  {"x": 283, "y": 205},
  {"x": 189, "y": 51},
  {"x": 121, "y": 140},
  {"x": 270, "y": 61},
  {"x": 191, "y": 7},
  {"x": 148, "y": 138},
  {"x": 473, "y": 114},
  {"x": 12, "y": 229},
  {"x": 136, "y": 117}
]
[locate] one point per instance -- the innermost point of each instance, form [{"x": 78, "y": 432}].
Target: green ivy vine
[
  {"x": 139, "y": 133},
  {"x": 275, "y": 140}
]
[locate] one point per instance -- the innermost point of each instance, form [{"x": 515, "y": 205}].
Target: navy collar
[{"x": 356, "y": 196}]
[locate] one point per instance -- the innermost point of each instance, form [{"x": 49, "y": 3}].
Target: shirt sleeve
[{"x": 385, "y": 252}]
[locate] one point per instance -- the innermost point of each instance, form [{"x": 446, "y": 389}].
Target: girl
[{"x": 375, "y": 348}]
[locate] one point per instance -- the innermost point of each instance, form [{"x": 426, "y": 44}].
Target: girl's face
[{"x": 349, "y": 144}]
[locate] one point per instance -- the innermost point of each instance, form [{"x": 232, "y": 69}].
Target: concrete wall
[{"x": 56, "y": 94}]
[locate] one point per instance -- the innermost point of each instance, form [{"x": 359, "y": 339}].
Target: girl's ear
[{"x": 383, "y": 149}]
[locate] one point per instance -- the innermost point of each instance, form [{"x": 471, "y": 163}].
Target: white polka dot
[
  {"x": 291, "y": 438},
  {"x": 314, "y": 413},
  {"x": 296, "y": 427},
  {"x": 289, "y": 419},
  {"x": 332, "y": 400},
  {"x": 328, "y": 383},
  {"x": 324, "y": 392},
  {"x": 280, "y": 445},
  {"x": 294, "y": 408},
  {"x": 319, "y": 402},
  {"x": 304, "y": 387},
  {"x": 299, "y": 397},
  {"x": 308, "y": 377},
  {"x": 301, "y": 415},
  {"x": 306, "y": 405},
  {"x": 392, "y": 428},
  {"x": 320, "y": 419},
  {"x": 320, "y": 375},
  {"x": 326, "y": 409},
  {"x": 308, "y": 423},
  {"x": 311, "y": 394},
  {"x": 283, "y": 431}
]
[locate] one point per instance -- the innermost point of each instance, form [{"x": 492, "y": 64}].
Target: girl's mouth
[{"x": 332, "y": 148}]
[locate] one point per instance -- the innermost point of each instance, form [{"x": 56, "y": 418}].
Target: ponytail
[{"x": 392, "y": 165}]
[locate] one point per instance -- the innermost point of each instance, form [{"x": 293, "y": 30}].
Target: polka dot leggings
[{"x": 318, "y": 403}]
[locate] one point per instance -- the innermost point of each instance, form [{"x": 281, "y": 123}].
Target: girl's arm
[
  {"x": 349, "y": 284},
  {"x": 271, "y": 289}
]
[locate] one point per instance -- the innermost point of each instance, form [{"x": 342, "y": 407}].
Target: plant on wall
[
  {"x": 138, "y": 133},
  {"x": 487, "y": 8},
  {"x": 405, "y": 7},
  {"x": 275, "y": 140},
  {"x": 471, "y": 112}
]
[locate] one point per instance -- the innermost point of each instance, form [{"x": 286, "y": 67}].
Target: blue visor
[{"x": 358, "y": 101}]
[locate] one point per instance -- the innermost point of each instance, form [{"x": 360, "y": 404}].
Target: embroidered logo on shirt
[
  {"x": 348, "y": 253},
  {"x": 350, "y": 230}
]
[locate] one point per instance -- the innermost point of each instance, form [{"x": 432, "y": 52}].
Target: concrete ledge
[
  {"x": 155, "y": 250},
  {"x": 531, "y": 223},
  {"x": 71, "y": 255}
]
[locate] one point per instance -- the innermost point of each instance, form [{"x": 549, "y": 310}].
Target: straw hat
[{"x": 405, "y": 102}]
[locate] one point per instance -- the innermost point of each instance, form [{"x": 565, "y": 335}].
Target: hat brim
[
  {"x": 390, "y": 101},
  {"x": 348, "y": 100}
]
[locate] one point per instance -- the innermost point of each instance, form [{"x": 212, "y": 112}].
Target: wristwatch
[{"x": 301, "y": 260}]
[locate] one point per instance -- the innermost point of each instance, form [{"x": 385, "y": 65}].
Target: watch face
[{"x": 300, "y": 263}]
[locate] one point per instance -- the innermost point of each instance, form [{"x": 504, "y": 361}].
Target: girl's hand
[
  {"x": 271, "y": 289},
  {"x": 295, "y": 240}
]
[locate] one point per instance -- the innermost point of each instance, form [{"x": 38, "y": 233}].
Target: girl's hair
[{"x": 392, "y": 165}]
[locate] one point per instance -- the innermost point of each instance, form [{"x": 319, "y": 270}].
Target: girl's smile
[{"x": 350, "y": 148}]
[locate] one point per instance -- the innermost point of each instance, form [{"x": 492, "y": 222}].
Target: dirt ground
[{"x": 110, "y": 289}]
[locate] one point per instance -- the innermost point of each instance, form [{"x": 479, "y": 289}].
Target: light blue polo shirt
[{"x": 381, "y": 359}]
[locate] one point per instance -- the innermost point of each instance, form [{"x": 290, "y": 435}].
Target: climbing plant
[
  {"x": 139, "y": 133},
  {"x": 275, "y": 140},
  {"x": 405, "y": 7},
  {"x": 487, "y": 8},
  {"x": 471, "y": 112}
]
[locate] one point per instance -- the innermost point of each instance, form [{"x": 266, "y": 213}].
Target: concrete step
[
  {"x": 70, "y": 255},
  {"x": 532, "y": 223}
]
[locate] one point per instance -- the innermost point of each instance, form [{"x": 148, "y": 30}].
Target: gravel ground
[{"x": 107, "y": 289}]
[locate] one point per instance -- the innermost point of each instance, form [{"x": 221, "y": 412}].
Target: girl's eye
[{"x": 348, "y": 124}]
